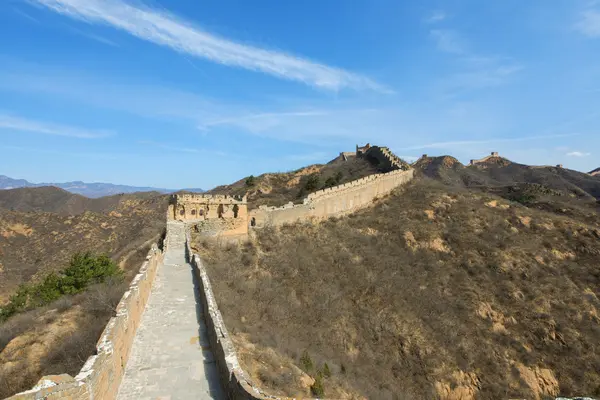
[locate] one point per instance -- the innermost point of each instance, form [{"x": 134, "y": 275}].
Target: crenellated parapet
[
  {"x": 335, "y": 201},
  {"x": 200, "y": 207},
  {"x": 485, "y": 159}
]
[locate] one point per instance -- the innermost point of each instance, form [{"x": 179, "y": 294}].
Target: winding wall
[{"x": 335, "y": 201}]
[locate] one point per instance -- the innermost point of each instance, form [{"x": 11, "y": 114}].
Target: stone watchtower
[{"x": 228, "y": 214}]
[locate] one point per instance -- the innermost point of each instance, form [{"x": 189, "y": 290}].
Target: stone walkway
[{"x": 171, "y": 357}]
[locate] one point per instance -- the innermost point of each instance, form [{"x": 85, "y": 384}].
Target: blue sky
[{"x": 196, "y": 93}]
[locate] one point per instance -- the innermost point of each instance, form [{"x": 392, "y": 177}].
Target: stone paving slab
[{"x": 171, "y": 358}]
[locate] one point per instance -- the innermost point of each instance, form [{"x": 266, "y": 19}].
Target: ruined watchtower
[{"x": 220, "y": 214}]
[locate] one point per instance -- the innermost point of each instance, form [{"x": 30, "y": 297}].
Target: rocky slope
[
  {"x": 276, "y": 189},
  {"x": 441, "y": 291}
]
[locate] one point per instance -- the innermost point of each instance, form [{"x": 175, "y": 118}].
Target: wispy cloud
[
  {"x": 189, "y": 150},
  {"x": 589, "y": 23},
  {"x": 25, "y": 15},
  {"x": 78, "y": 154},
  {"x": 259, "y": 121},
  {"x": 448, "y": 41},
  {"x": 477, "y": 71},
  {"x": 435, "y": 17},
  {"x": 97, "y": 38},
  {"x": 12, "y": 123},
  {"x": 577, "y": 154},
  {"x": 167, "y": 30},
  {"x": 460, "y": 143}
]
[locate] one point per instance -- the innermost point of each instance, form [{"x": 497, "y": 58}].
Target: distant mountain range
[{"x": 92, "y": 190}]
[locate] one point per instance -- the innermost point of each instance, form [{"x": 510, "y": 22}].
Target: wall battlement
[
  {"x": 484, "y": 159},
  {"x": 335, "y": 201},
  {"x": 101, "y": 375},
  {"x": 225, "y": 214}
]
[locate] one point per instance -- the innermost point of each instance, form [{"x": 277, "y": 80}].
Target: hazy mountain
[{"x": 93, "y": 190}]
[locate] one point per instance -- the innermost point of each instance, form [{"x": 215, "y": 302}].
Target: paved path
[{"x": 171, "y": 357}]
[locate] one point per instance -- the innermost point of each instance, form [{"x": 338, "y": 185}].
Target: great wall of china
[
  {"x": 142, "y": 349},
  {"x": 139, "y": 345}
]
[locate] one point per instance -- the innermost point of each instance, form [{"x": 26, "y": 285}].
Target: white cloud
[
  {"x": 8, "y": 122},
  {"x": 476, "y": 71},
  {"x": 448, "y": 41},
  {"x": 436, "y": 16},
  {"x": 97, "y": 38},
  {"x": 167, "y": 30},
  {"x": 589, "y": 23},
  {"x": 577, "y": 154}
]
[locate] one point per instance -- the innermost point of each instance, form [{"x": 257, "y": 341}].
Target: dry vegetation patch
[{"x": 455, "y": 307}]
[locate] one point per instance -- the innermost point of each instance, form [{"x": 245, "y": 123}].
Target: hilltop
[
  {"x": 438, "y": 290},
  {"x": 277, "y": 189},
  {"x": 92, "y": 190},
  {"x": 476, "y": 281},
  {"x": 498, "y": 172}
]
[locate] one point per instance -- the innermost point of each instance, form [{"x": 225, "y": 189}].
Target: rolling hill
[
  {"x": 500, "y": 172},
  {"x": 276, "y": 189},
  {"x": 472, "y": 282},
  {"x": 92, "y": 190},
  {"x": 40, "y": 230}
]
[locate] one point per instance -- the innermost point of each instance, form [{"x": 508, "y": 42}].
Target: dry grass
[
  {"x": 465, "y": 300},
  {"x": 59, "y": 338}
]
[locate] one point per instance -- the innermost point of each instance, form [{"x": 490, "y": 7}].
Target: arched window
[
  {"x": 236, "y": 209},
  {"x": 182, "y": 212},
  {"x": 201, "y": 212},
  {"x": 193, "y": 212}
]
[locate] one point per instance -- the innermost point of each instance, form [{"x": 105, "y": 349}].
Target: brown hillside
[
  {"x": 40, "y": 228},
  {"x": 498, "y": 172},
  {"x": 58, "y": 338},
  {"x": 437, "y": 292},
  {"x": 277, "y": 189},
  {"x": 56, "y": 200}
]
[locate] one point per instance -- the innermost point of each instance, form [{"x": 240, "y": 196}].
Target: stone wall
[
  {"x": 484, "y": 159},
  {"x": 335, "y": 201},
  {"x": 228, "y": 215},
  {"x": 386, "y": 160},
  {"x": 234, "y": 379},
  {"x": 101, "y": 375}
]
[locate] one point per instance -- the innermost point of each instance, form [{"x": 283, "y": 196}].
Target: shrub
[
  {"x": 312, "y": 183},
  {"x": 326, "y": 371},
  {"x": 317, "y": 388},
  {"x": 250, "y": 181},
  {"x": 306, "y": 361},
  {"x": 84, "y": 269}
]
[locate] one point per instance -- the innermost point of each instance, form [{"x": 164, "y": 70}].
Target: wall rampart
[
  {"x": 236, "y": 383},
  {"x": 334, "y": 201},
  {"x": 101, "y": 375},
  {"x": 484, "y": 159}
]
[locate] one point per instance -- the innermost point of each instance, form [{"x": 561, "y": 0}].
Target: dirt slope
[
  {"x": 277, "y": 189},
  {"x": 59, "y": 338},
  {"x": 33, "y": 243},
  {"x": 56, "y": 200},
  {"x": 502, "y": 172},
  {"x": 437, "y": 292}
]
